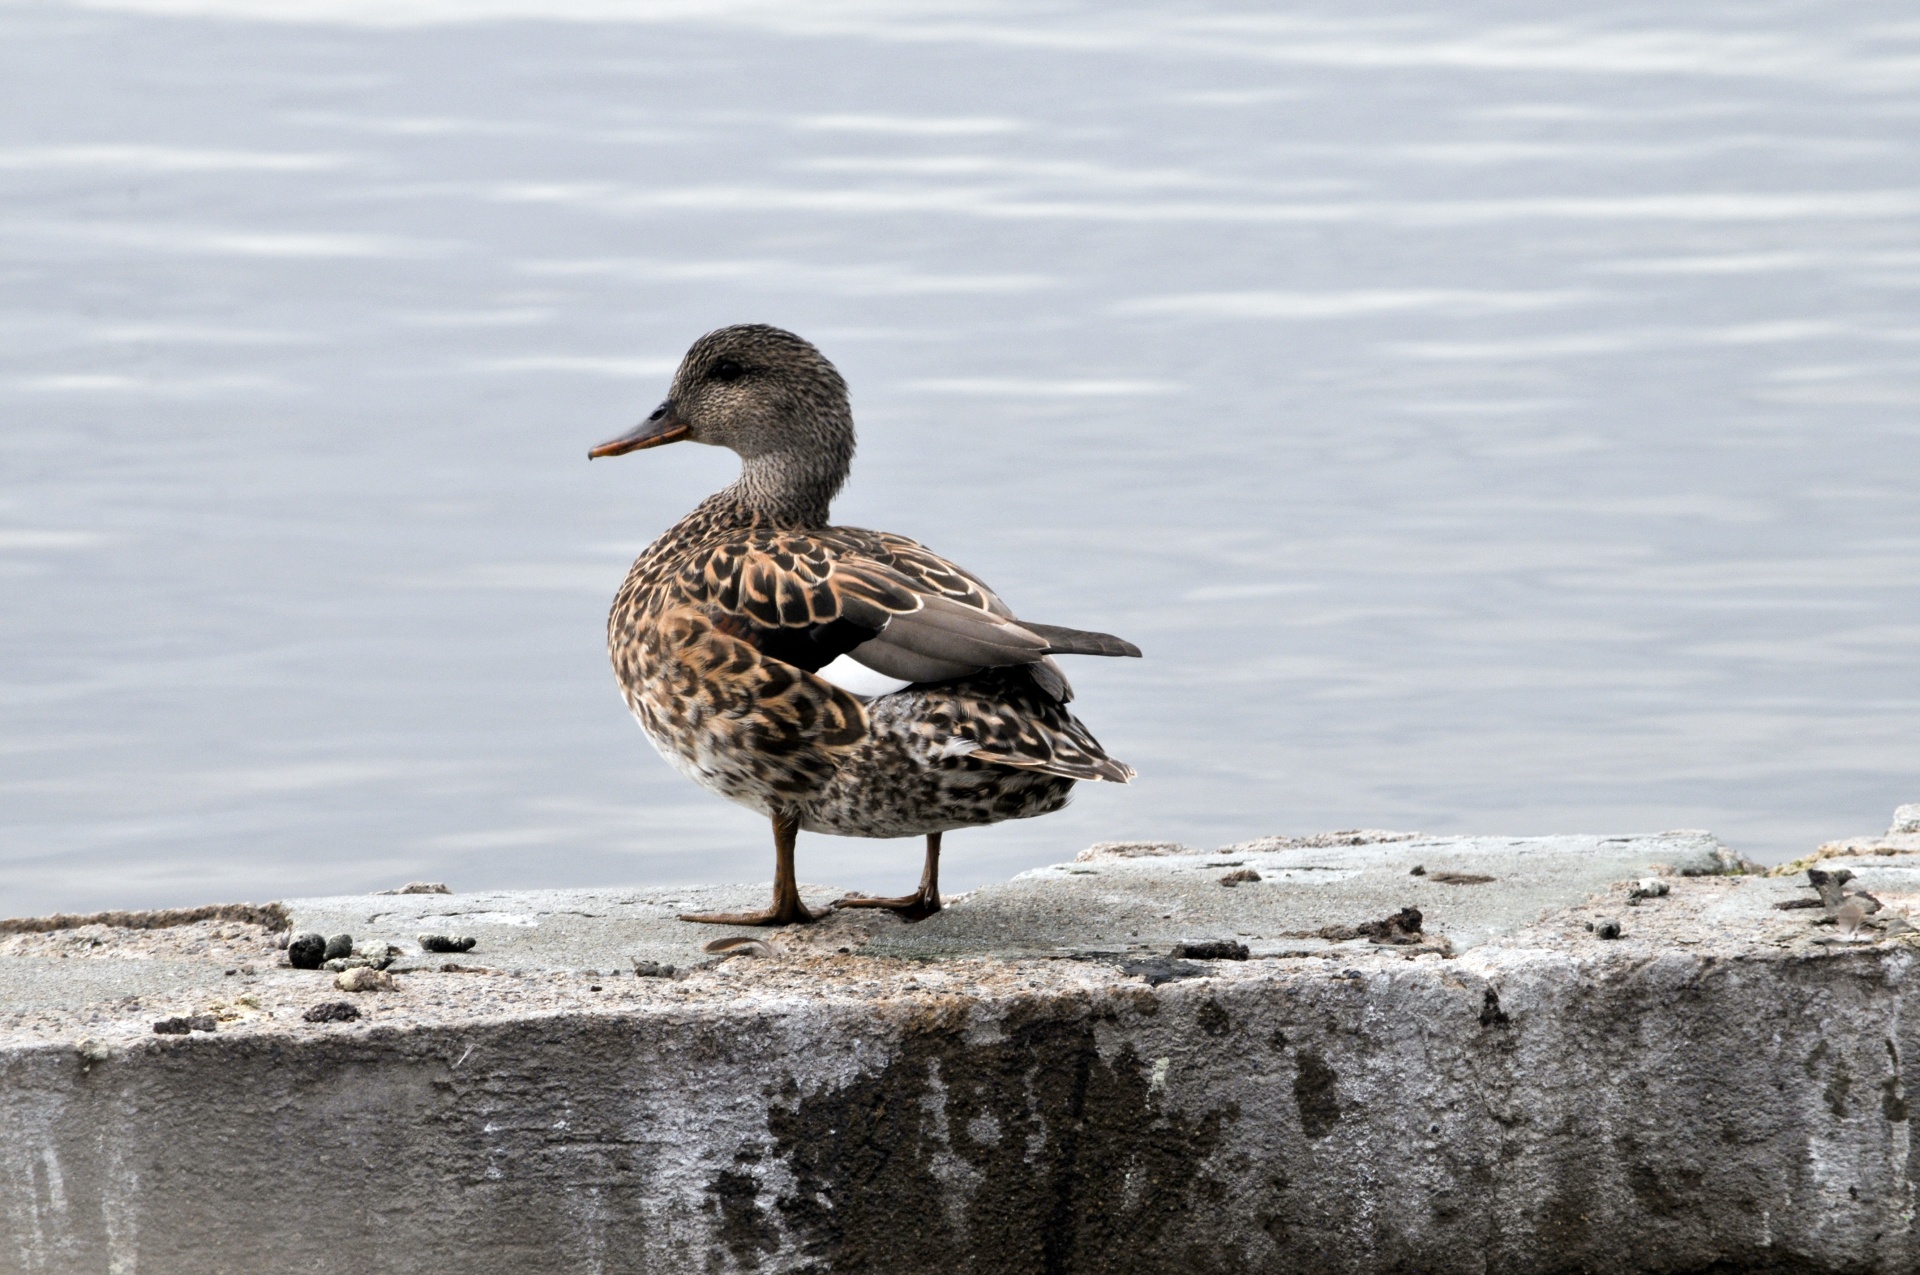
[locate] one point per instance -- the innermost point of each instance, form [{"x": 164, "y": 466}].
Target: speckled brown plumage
[{"x": 722, "y": 627}]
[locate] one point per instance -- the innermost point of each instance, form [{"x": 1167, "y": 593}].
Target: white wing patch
[{"x": 851, "y": 675}]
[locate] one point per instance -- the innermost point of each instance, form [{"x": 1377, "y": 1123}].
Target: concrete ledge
[{"x": 1721, "y": 1087}]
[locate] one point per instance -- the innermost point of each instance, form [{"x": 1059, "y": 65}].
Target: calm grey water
[{"x": 1486, "y": 420}]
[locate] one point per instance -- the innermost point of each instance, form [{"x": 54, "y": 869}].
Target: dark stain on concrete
[
  {"x": 1315, "y": 1093},
  {"x": 1837, "y": 1090},
  {"x": 1893, "y": 1103},
  {"x": 1663, "y": 1188},
  {"x": 1771, "y": 1261},
  {"x": 1160, "y": 969},
  {"x": 1212, "y": 1019},
  {"x": 1065, "y": 1163},
  {"x": 1491, "y": 1015},
  {"x": 744, "y": 1227}
]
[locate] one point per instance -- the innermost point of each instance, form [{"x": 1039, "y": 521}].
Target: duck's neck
[{"x": 789, "y": 489}]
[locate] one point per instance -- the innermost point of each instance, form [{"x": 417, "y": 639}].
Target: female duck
[{"x": 834, "y": 679}]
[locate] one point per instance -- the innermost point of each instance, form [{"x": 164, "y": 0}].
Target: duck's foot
[
  {"x": 795, "y": 914},
  {"x": 908, "y": 907}
]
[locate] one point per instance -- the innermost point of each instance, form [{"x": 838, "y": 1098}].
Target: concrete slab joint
[{"x": 1360, "y": 1051}]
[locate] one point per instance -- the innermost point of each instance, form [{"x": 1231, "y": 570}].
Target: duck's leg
[
  {"x": 911, "y": 907},
  {"x": 787, "y": 908}
]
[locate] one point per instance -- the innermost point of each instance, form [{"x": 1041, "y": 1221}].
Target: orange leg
[
  {"x": 911, "y": 907},
  {"x": 787, "y": 908}
]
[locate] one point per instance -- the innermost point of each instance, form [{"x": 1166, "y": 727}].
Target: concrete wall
[{"x": 1602, "y": 1109}]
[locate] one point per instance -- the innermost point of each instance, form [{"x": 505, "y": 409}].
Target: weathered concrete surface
[
  {"x": 1472, "y": 889},
  {"x": 1721, "y": 1088},
  {"x": 1901, "y": 838}
]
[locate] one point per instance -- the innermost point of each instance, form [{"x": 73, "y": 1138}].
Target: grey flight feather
[
  {"x": 890, "y": 660},
  {"x": 1062, "y": 641},
  {"x": 947, "y": 639}
]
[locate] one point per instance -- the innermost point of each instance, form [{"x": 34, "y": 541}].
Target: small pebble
[
  {"x": 379, "y": 956},
  {"x": 1608, "y": 929},
  {"x": 332, "y": 1012},
  {"x": 338, "y": 946},
  {"x": 364, "y": 978},
  {"x": 307, "y": 951},
  {"x": 180, "y": 1026},
  {"x": 445, "y": 943},
  {"x": 1418, "y": 870}
]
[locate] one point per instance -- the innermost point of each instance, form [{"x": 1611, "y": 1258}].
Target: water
[{"x": 1485, "y": 421}]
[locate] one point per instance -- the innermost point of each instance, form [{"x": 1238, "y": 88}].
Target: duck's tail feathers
[
  {"x": 1092, "y": 768},
  {"x": 1005, "y": 716},
  {"x": 1051, "y": 740},
  {"x": 1062, "y": 641}
]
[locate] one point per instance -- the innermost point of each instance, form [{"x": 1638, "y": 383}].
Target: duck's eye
[{"x": 725, "y": 370}]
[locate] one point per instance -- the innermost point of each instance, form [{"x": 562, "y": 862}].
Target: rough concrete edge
[
  {"x": 1316, "y": 841},
  {"x": 273, "y": 916},
  {"x": 1901, "y": 837},
  {"x": 1732, "y": 862},
  {"x": 1324, "y": 840},
  {"x": 1134, "y": 850},
  {"x": 1890, "y": 846}
]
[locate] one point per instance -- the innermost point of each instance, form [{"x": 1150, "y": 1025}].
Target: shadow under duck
[{"x": 834, "y": 679}]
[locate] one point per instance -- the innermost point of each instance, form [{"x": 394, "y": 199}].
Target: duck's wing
[
  {"x": 808, "y": 597},
  {"x": 815, "y": 599},
  {"x": 930, "y": 571},
  {"x": 914, "y": 647},
  {"x": 888, "y": 604}
]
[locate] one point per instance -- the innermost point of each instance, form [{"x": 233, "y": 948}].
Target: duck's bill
[{"x": 660, "y": 428}]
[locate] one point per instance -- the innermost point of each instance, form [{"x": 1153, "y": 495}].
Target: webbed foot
[
  {"x": 796, "y": 914},
  {"x": 908, "y": 907}
]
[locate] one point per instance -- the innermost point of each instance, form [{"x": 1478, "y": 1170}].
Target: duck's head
[{"x": 769, "y": 396}]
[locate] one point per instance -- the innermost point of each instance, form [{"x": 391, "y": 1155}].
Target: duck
[{"x": 833, "y": 679}]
